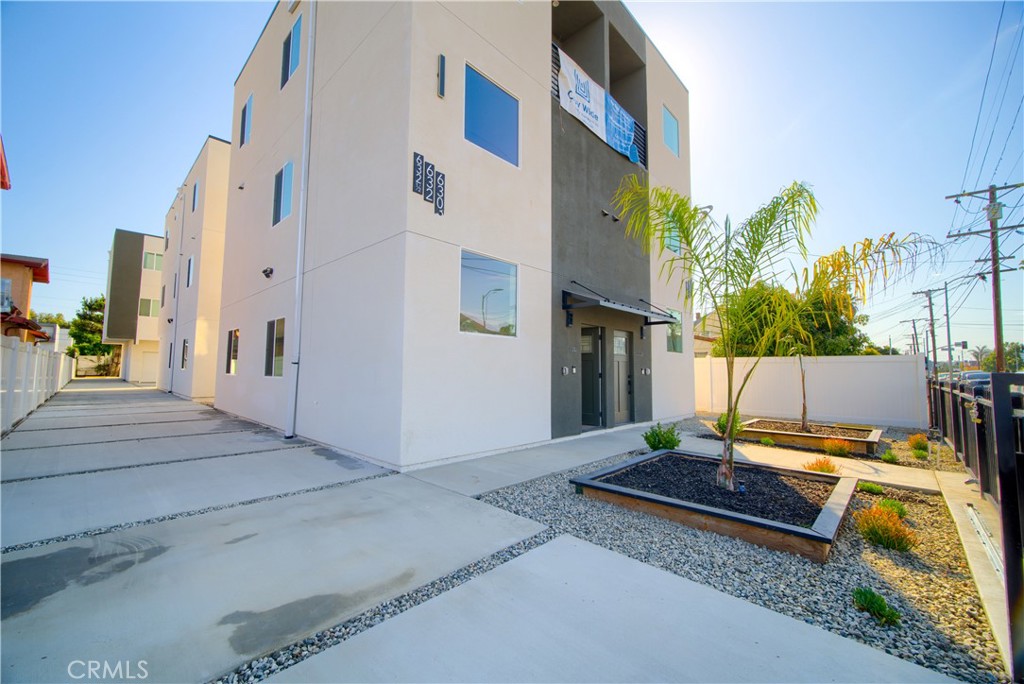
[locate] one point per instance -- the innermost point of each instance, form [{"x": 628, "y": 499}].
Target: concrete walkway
[{"x": 276, "y": 539}]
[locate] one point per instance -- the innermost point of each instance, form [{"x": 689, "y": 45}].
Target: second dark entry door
[{"x": 591, "y": 375}]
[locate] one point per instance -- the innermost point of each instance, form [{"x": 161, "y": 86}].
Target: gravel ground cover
[
  {"x": 759, "y": 492},
  {"x": 943, "y": 624}
]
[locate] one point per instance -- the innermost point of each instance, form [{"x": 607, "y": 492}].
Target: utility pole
[
  {"x": 931, "y": 323},
  {"x": 917, "y": 346},
  {"x": 994, "y": 209}
]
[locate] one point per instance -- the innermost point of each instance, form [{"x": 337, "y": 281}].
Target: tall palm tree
[{"x": 726, "y": 261}]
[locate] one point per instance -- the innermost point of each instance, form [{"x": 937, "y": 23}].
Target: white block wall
[{"x": 875, "y": 390}]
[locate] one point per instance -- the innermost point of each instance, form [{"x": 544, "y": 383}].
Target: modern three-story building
[
  {"x": 422, "y": 261},
  {"x": 130, "y": 318},
  {"x": 192, "y": 275}
]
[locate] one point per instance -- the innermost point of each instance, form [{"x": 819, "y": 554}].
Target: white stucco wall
[
  {"x": 875, "y": 390},
  {"x": 671, "y": 372}
]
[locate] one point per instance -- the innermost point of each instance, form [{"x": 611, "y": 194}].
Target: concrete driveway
[{"x": 268, "y": 539}]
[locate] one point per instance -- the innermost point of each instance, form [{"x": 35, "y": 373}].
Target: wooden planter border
[
  {"x": 861, "y": 445},
  {"x": 814, "y": 542}
]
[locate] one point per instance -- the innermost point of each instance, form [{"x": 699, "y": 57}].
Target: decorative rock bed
[{"x": 681, "y": 487}]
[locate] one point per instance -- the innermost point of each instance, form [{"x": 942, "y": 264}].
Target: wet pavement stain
[
  {"x": 241, "y": 539},
  {"x": 270, "y": 629},
  {"x": 27, "y": 581},
  {"x": 346, "y": 462}
]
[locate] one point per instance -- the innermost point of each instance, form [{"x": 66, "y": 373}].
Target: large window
[
  {"x": 274, "y": 364},
  {"x": 670, "y": 129},
  {"x": 492, "y": 117},
  {"x": 232, "y": 358},
  {"x": 149, "y": 307},
  {"x": 290, "y": 52},
  {"x": 151, "y": 261},
  {"x": 675, "y": 332},
  {"x": 283, "y": 193},
  {"x": 487, "y": 303},
  {"x": 245, "y": 128}
]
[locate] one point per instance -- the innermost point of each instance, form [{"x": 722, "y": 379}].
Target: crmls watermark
[{"x": 103, "y": 669}]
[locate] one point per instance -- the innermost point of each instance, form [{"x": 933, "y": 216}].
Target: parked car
[{"x": 976, "y": 378}]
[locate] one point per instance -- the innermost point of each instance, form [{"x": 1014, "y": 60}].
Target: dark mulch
[
  {"x": 782, "y": 498},
  {"x": 827, "y": 430}
]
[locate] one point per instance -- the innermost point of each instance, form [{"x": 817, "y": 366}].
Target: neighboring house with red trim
[{"x": 17, "y": 275}]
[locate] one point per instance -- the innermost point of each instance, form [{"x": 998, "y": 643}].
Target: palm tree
[
  {"x": 727, "y": 262},
  {"x": 979, "y": 353}
]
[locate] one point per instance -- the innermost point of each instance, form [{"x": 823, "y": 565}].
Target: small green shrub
[
  {"x": 868, "y": 600},
  {"x": 659, "y": 437},
  {"x": 723, "y": 420},
  {"x": 837, "y": 447},
  {"x": 884, "y": 528},
  {"x": 869, "y": 488},
  {"x": 889, "y": 457},
  {"x": 823, "y": 464},
  {"x": 919, "y": 454},
  {"x": 767, "y": 441},
  {"x": 894, "y": 506},
  {"x": 918, "y": 441}
]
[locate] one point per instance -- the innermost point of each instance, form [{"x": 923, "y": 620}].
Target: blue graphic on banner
[{"x": 620, "y": 129}]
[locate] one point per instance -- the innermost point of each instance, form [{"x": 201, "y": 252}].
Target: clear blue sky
[{"x": 104, "y": 107}]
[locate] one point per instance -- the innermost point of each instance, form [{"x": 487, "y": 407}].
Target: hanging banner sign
[
  {"x": 580, "y": 96},
  {"x": 591, "y": 104}
]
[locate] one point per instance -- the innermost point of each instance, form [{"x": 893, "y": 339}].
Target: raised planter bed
[
  {"x": 864, "y": 438},
  {"x": 811, "y": 537}
]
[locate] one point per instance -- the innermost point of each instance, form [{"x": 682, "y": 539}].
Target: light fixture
[
  {"x": 268, "y": 271},
  {"x": 554, "y": 3},
  {"x": 170, "y": 320},
  {"x": 241, "y": 186},
  {"x": 604, "y": 212}
]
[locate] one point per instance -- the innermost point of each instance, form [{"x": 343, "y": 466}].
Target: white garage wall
[{"x": 875, "y": 390}]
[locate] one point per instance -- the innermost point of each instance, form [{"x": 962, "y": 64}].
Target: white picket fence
[
  {"x": 29, "y": 375},
  {"x": 872, "y": 390}
]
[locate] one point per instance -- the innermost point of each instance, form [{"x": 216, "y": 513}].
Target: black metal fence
[{"x": 985, "y": 426}]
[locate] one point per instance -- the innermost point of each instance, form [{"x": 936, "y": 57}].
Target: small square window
[
  {"x": 151, "y": 261},
  {"x": 670, "y": 129},
  {"x": 232, "y": 347},
  {"x": 487, "y": 303},
  {"x": 290, "y": 51},
  {"x": 149, "y": 308},
  {"x": 273, "y": 365},
  {"x": 282, "y": 194},
  {"x": 675, "y": 333},
  {"x": 492, "y": 117},
  {"x": 245, "y": 130}
]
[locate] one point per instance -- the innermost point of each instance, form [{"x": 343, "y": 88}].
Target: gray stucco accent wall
[
  {"x": 592, "y": 249},
  {"x": 122, "y": 315}
]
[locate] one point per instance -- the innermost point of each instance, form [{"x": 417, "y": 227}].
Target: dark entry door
[
  {"x": 590, "y": 375},
  {"x": 622, "y": 384}
]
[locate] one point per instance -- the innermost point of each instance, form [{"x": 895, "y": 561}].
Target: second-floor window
[
  {"x": 188, "y": 273},
  {"x": 290, "y": 52},
  {"x": 670, "y": 130},
  {"x": 149, "y": 307},
  {"x": 151, "y": 261},
  {"x": 245, "y": 127},
  {"x": 492, "y": 117},
  {"x": 282, "y": 193}
]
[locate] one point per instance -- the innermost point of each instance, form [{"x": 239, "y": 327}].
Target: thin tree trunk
[
  {"x": 804, "y": 426},
  {"x": 725, "y": 469}
]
